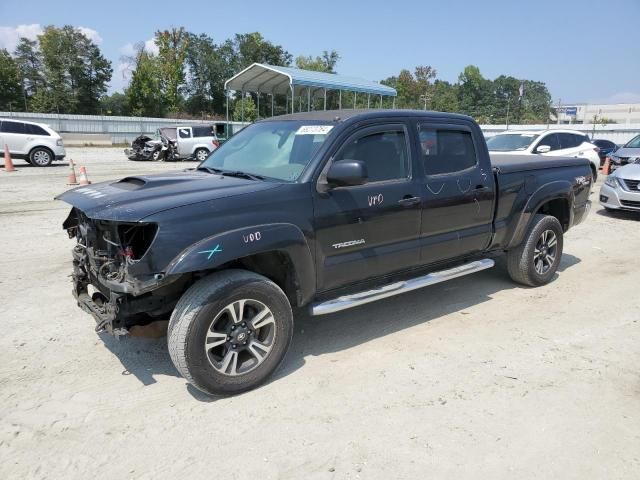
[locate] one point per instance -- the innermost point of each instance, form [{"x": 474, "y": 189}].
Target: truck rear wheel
[
  {"x": 230, "y": 331},
  {"x": 536, "y": 259}
]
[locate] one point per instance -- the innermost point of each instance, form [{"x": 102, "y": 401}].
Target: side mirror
[
  {"x": 543, "y": 149},
  {"x": 344, "y": 173}
]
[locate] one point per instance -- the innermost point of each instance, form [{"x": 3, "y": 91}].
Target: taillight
[
  {"x": 597, "y": 150},
  {"x": 215, "y": 142}
]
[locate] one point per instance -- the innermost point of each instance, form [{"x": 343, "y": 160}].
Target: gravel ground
[{"x": 473, "y": 378}]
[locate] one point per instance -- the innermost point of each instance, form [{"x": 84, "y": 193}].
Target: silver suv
[
  {"x": 36, "y": 143},
  {"x": 196, "y": 141}
]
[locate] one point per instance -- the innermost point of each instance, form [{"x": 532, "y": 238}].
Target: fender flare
[
  {"x": 225, "y": 247},
  {"x": 557, "y": 190}
]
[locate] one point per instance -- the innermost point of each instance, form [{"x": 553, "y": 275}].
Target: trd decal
[
  {"x": 375, "y": 199},
  {"x": 583, "y": 180},
  {"x": 212, "y": 252},
  {"x": 350, "y": 243},
  {"x": 252, "y": 237}
]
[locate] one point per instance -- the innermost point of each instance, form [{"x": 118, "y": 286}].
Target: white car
[
  {"x": 563, "y": 143},
  {"x": 34, "y": 142}
]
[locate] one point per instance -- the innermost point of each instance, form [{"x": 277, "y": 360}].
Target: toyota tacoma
[{"x": 321, "y": 210}]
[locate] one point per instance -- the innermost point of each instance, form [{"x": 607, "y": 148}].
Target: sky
[{"x": 585, "y": 51}]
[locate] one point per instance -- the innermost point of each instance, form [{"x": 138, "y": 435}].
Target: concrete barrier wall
[
  {"x": 125, "y": 129},
  {"x": 119, "y": 129}
]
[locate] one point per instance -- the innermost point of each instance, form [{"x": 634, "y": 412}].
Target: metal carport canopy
[{"x": 263, "y": 78}]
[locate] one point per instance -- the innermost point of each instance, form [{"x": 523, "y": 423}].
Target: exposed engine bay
[{"x": 103, "y": 257}]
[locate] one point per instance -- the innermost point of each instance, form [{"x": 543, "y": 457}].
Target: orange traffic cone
[
  {"x": 8, "y": 163},
  {"x": 72, "y": 180},
  {"x": 84, "y": 180},
  {"x": 606, "y": 170}
]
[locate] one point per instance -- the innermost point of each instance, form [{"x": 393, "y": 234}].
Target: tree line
[{"x": 64, "y": 71}]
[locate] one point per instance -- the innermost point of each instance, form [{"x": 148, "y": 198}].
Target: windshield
[
  {"x": 506, "y": 142},
  {"x": 278, "y": 149},
  {"x": 633, "y": 143}
]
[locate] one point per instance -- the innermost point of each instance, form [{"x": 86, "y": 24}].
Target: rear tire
[
  {"x": 536, "y": 259},
  {"x": 227, "y": 308},
  {"x": 201, "y": 154},
  {"x": 40, "y": 157}
]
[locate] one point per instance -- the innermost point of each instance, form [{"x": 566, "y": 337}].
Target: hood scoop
[{"x": 129, "y": 183}]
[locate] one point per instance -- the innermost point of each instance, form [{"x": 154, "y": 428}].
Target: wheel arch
[
  {"x": 43, "y": 147},
  {"x": 555, "y": 199},
  {"x": 278, "y": 251}
]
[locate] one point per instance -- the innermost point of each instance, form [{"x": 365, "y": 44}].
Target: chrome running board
[{"x": 353, "y": 300}]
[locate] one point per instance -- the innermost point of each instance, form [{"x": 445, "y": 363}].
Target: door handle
[
  {"x": 409, "y": 200},
  {"x": 481, "y": 188}
]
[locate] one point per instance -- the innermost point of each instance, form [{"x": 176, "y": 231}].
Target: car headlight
[
  {"x": 59, "y": 142},
  {"x": 615, "y": 159},
  {"x": 634, "y": 160},
  {"x": 611, "y": 181}
]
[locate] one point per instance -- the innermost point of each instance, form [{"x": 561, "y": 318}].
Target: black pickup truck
[{"x": 323, "y": 210}]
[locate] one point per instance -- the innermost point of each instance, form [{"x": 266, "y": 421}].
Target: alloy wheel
[
  {"x": 544, "y": 255},
  {"x": 41, "y": 158},
  {"x": 240, "y": 337}
]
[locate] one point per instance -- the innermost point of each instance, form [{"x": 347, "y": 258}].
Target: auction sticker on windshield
[{"x": 314, "y": 130}]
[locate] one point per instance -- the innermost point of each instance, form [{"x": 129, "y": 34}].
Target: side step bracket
[{"x": 360, "y": 298}]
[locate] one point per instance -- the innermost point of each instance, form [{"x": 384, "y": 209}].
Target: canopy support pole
[
  {"x": 272, "y": 104},
  {"x": 355, "y": 99},
  {"x": 339, "y": 99},
  {"x": 368, "y": 100},
  {"x": 380, "y": 101},
  {"x": 258, "y": 95},
  {"x": 394, "y": 102},
  {"x": 293, "y": 91},
  {"x": 325, "y": 99},
  {"x": 308, "y": 99},
  {"x": 226, "y": 94},
  {"x": 242, "y": 104}
]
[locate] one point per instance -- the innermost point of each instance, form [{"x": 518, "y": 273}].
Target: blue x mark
[{"x": 211, "y": 253}]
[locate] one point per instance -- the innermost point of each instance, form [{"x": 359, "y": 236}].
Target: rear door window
[
  {"x": 446, "y": 150},
  {"x": 12, "y": 127},
  {"x": 569, "y": 140}
]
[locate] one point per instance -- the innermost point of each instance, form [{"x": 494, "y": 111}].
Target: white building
[{"x": 618, "y": 113}]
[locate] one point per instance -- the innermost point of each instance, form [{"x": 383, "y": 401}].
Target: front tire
[
  {"x": 230, "y": 331},
  {"x": 536, "y": 259},
  {"x": 40, "y": 157}
]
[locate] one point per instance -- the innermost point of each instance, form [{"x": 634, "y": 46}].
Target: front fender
[
  {"x": 559, "y": 189},
  {"x": 225, "y": 247}
]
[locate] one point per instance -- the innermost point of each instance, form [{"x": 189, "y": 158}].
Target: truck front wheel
[
  {"x": 536, "y": 259},
  {"x": 230, "y": 331}
]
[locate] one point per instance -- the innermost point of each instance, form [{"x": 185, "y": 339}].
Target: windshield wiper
[
  {"x": 240, "y": 174},
  {"x": 209, "y": 169}
]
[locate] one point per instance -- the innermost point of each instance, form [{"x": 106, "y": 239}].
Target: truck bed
[{"x": 521, "y": 163}]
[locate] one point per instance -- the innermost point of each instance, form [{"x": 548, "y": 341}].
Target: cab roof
[{"x": 363, "y": 114}]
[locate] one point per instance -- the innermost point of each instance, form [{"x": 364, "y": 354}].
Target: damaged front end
[
  {"x": 105, "y": 282},
  {"x": 144, "y": 148}
]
